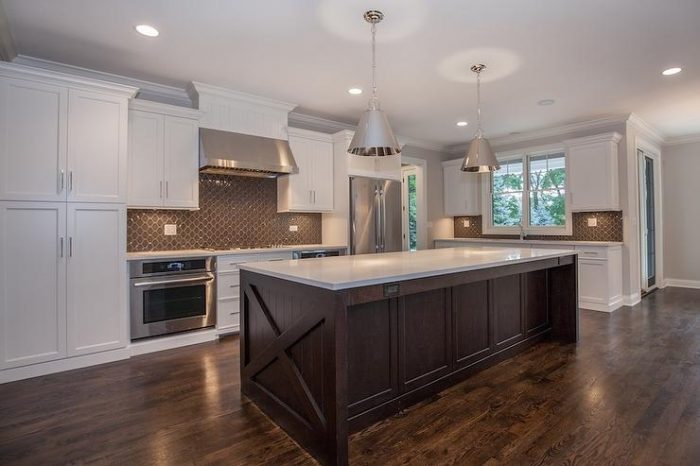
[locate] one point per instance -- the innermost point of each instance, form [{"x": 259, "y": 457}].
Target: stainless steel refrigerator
[{"x": 375, "y": 215}]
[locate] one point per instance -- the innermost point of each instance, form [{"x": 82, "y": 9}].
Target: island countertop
[{"x": 344, "y": 272}]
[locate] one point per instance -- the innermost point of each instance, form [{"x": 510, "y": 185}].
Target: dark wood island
[{"x": 332, "y": 345}]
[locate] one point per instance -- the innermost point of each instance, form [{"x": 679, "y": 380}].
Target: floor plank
[{"x": 628, "y": 394}]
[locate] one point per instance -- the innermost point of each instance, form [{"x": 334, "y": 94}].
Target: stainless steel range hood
[{"x": 228, "y": 153}]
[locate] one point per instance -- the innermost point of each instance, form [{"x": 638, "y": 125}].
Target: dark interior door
[{"x": 650, "y": 212}]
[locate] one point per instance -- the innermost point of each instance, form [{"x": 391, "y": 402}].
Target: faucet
[{"x": 522, "y": 231}]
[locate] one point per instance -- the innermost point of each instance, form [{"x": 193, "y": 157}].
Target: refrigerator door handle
[
  {"x": 382, "y": 197},
  {"x": 377, "y": 220}
]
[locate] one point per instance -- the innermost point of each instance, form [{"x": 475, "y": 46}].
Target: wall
[
  {"x": 681, "y": 216},
  {"x": 439, "y": 225},
  {"x": 235, "y": 211}
]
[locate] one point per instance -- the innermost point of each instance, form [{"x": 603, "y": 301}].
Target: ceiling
[{"x": 593, "y": 57}]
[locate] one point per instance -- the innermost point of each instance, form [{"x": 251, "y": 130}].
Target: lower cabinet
[{"x": 63, "y": 280}]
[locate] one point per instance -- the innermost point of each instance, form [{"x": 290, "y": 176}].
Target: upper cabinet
[
  {"x": 163, "y": 156},
  {"x": 61, "y": 137},
  {"x": 593, "y": 173},
  {"x": 311, "y": 189},
  {"x": 462, "y": 190}
]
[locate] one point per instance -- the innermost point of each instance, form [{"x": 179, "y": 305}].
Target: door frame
[
  {"x": 421, "y": 166},
  {"x": 648, "y": 150}
]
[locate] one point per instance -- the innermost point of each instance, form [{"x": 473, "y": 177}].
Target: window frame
[{"x": 487, "y": 195}]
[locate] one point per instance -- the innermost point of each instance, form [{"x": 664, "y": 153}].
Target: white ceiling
[{"x": 594, "y": 57}]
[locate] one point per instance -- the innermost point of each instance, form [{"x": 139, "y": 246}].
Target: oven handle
[{"x": 207, "y": 278}]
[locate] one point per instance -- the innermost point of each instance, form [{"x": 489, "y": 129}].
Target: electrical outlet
[
  {"x": 592, "y": 222},
  {"x": 293, "y": 228},
  {"x": 170, "y": 229},
  {"x": 466, "y": 223}
]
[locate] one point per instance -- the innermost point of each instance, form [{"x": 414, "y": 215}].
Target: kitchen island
[{"x": 332, "y": 345}]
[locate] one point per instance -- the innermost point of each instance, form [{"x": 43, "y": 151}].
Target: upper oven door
[{"x": 161, "y": 305}]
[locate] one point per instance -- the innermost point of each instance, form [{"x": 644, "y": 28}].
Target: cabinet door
[
  {"x": 299, "y": 189},
  {"x": 32, "y": 141},
  {"x": 592, "y": 282},
  {"x": 322, "y": 176},
  {"x": 593, "y": 174},
  {"x": 146, "y": 170},
  {"x": 96, "y": 278},
  {"x": 181, "y": 162},
  {"x": 462, "y": 191},
  {"x": 508, "y": 318},
  {"x": 32, "y": 282},
  {"x": 97, "y": 127}
]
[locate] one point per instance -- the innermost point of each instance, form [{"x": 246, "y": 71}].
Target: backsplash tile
[
  {"x": 610, "y": 228},
  {"x": 234, "y": 211}
]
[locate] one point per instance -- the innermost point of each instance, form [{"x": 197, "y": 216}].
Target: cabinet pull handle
[
  {"x": 310, "y": 197},
  {"x": 61, "y": 181},
  {"x": 166, "y": 190},
  {"x": 161, "y": 190},
  {"x": 70, "y": 180},
  {"x": 61, "y": 241},
  {"x": 70, "y": 246},
  {"x": 314, "y": 196}
]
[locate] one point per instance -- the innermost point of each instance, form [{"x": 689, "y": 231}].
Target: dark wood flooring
[{"x": 628, "y": 394}]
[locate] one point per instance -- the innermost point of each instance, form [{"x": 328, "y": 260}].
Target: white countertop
[
  {"x": 533, "y": 241},
  {"x": 339, "y": 273},
  {"x": 225, "y": 252}
]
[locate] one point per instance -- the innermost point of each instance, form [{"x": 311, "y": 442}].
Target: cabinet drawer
[
  {"x": 228, "y": 285},
  {"x": 592, "y": 252},
  {"x": 228, "y": 313},
  {"x": 231, "y": 263}
]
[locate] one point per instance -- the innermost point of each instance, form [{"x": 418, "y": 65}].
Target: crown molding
[
  {"x": 317, "y": 123},
  {"x": 147, "y": 90},
  {"x": 686, "y": 139},
  {"x": 646, "y": 129},
  {"x": 165, "y": 109},
  {"x": 195, "y": 89},
  {"x": 7, "y": 44},
  {"x": 613, "y": 137},
  {"x": 70, "y": 80},
  {"x": 552, "y": 131}
]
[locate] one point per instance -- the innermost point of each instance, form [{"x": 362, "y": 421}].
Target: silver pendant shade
[
  {"x": 480, "y": 157},
  {"x": 374, "y": 136}
]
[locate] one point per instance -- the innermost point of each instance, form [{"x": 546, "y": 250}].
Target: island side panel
[
  {"x": 293, "y": 362},
  {"x": 563, "y": 300}
]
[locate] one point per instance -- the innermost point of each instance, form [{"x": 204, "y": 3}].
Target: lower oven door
[{"x": 162, "y": 305}]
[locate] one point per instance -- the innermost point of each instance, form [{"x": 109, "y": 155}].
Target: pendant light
[
  {"x": 374, "y": 136},
  {"x": 479, "y": 158}
]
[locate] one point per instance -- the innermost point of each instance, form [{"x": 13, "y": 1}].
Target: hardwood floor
[{"x": 628, "y": 393}]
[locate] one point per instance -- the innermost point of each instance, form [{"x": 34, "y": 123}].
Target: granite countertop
[
  {"x": 225, "y": 252},
  {"x": 533, "y": 241},
  {"x": 343, "y": 272}
]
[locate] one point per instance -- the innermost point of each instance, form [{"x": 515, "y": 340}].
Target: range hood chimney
[{"x": 229, "y": 153}]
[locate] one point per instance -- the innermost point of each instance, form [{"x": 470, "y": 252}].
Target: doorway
[
  {"x": 409, "y": 207},
  {"x": 648, "y": 217}
]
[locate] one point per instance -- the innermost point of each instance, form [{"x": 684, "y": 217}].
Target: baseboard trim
[
  {"x": 62, "y": 365},
  {"x": 172, "y": 341},
  {"x": 601, "y": 307},
  {"x": 632, "y": 299},
  {"x": 679, "y": 283}
]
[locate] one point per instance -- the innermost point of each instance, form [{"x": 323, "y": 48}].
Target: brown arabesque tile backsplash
[
  {"x": 609, "y": 228},
  {"x": 234, "y": 211}
]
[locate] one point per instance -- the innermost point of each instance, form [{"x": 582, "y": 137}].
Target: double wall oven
[{"x": 170, "y": 296}]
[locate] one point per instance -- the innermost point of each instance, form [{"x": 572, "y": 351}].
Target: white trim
[
  {"x": 195, "y": 88},
  {"x": 61, "y": 365},
  {"x": 165, "y": 109},
  {"x": 611, "y": 136},
  {"x": 309, "y": 134},
  {"x": 171, "y": 342},
  {"x": 681, "y": 283},
  {"x": 645, "y": 128},
  {"x": 687, "y": 139},
  {"x": 601, "y": 307},
  {"x": 317, "y": 123},
  {"x": 422, "y": 180},
  {"x": 631, "y": 300}
]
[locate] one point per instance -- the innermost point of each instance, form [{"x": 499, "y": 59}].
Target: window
[{"x": 529, "y": 190}]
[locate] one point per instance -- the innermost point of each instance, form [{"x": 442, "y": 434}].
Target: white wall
[
  {"x": 681, "y": 171},
  {"x": 439, "y": 226}
]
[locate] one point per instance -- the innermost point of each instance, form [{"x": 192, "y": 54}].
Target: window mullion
[{"x": 526, "y": 192}]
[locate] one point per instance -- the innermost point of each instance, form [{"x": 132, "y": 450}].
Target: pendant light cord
[
  {"x": 374, "y": 104},
  {"x": 478, "y": 103}
]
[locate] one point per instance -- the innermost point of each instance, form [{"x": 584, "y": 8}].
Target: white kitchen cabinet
[
  {"x": 96, "y": 284},
  {"x": 462, "y": 190},
  {"x": 593, "y": 172},
  {"x": 33, "y": 282},
  {"x": 163, "y": 156},
  {"x": 33, "y": 120},
  {"x": 310, "y": 190},
  {"x": 61, "y": 137}
]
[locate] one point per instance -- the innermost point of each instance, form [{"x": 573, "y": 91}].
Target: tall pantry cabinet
[{"x": 63, "y": 168}]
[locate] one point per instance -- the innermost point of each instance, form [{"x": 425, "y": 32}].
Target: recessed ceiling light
[
  {"x": 546, "y": 102},
  {"x": 462, "y": 123},
  {"x": 147, "y": 30},
  {"x": 671, "y": 71},
  {"x": 355, "y": 91}
]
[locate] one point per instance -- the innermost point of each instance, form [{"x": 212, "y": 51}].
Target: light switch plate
[
  {"x": 592, "y": 222},
  {"x": 293, "y": 227},
  {"x": 466, "y": 224},
  {"x": 170, "y": 229}
]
